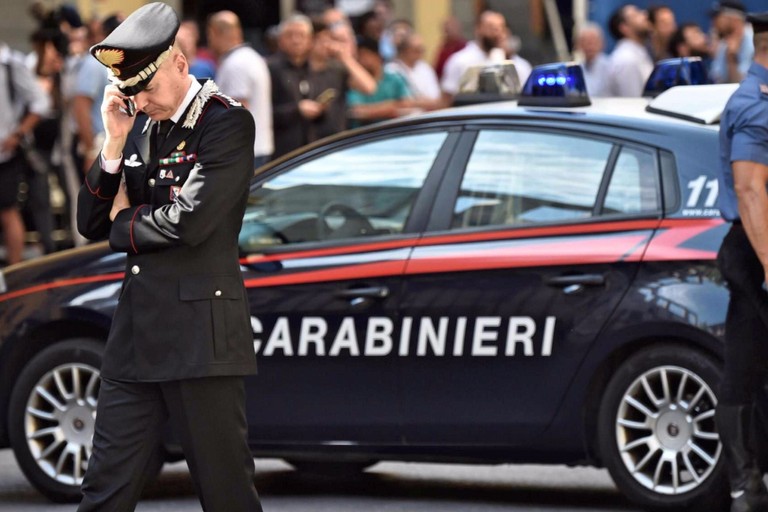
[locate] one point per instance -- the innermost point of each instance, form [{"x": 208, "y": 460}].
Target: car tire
[
  {"x": 657, "y": 433},
  {"x": 51, "y": 416}
]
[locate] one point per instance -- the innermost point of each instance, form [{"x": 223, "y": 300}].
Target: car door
[
  {"x": 325, "y": 241},
  {"x": 530, "y": 250}
]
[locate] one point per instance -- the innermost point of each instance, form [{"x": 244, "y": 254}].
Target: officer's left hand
[{"x": 120, "y": 202}]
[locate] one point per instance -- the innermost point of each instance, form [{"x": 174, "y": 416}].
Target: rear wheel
[{"x": 657, "y": 433}]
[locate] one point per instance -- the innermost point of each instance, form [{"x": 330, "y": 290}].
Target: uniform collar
[
  {"x": 759, "y": 71},
  {"x": 194, "y": 88}
]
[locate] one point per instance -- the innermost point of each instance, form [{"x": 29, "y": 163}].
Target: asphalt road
[{"x": 386, "y": 487}]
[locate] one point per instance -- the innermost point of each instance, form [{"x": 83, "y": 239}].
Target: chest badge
[
  {"x": 181, "y": 145},
  {"x": 132, "y": 161}
]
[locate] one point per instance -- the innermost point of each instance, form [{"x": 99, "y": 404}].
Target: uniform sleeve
[
  {"x": 221, "y": 174},
  {"x": 94, "y": 201},
  {"x": 750, "y": 143}
]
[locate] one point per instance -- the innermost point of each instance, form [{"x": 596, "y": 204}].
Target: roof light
[
  {"x": 555, "y": 85},
  {"x": 679, "y": 71},
  {"x": 488, "y": 82}
]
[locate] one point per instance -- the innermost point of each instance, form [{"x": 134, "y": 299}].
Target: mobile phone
[
  {"x": 326, "y": 96},
  {"x": 130, "y": 107}
]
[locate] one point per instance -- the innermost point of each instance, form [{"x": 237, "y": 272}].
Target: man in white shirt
[
  {"x": 491, "y": 46},
  {"x": 631, "y": 64},
  {"x": 243, "y": 75},
  {"x": 590, "y": 44},
  {"x": 22, "y": 103}
]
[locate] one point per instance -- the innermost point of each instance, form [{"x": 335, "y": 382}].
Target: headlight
[{"x": 3, "y": 286}]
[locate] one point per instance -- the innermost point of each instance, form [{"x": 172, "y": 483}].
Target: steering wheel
[{"x": 353, "y": 223}]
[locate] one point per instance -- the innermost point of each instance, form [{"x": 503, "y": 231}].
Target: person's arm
[
  {"x": 733, "y": 64},
  {"x": 359, "y": 78},
  {"x": 750, "y": 180},
  {"x": 222, "y": 172},
  {"x": 101, "y": 187},
  {"x": 81, "y": 111},
  {"x": 25, "y": 127}
]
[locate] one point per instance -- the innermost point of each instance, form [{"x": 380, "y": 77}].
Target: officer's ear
[{"x": 180, "y": 63}]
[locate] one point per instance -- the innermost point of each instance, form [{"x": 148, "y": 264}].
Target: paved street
[{"x": 387, "y": 487}]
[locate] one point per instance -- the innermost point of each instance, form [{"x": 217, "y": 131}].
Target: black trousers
[
  {"x": 746, "y": 323},
  {"x": 209, "y": 416}
]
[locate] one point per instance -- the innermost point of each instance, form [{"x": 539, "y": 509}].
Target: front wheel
[
  {"x": 52, "y": 414},
  {"x": 657, "y": 433}
]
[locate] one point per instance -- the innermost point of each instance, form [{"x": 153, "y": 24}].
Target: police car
[{"x": 498, "y": 283}]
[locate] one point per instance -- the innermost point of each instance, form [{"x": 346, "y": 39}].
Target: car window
[
  {"x": 633, "y": 187},
  {"x": 520, "y": 178},
  {"x": 360, "y": 191}
]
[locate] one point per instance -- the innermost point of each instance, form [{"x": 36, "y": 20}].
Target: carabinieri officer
[
  {"x": 171, "y": 193},
  {"x": 743, "y": 261}
]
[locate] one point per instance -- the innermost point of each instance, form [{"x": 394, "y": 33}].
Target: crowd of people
[
  {"x": 645, "y": 37},
  {"x": 318, "y": 76}
]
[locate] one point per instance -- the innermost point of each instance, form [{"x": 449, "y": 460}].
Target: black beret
[
  {"x": 137, "y": 47},
  {"x": 759, "y": 21}
]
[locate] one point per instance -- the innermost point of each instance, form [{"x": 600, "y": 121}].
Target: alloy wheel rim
[
  {"x": 665, "y": 430},
  {"x": 59, "y": 420}
]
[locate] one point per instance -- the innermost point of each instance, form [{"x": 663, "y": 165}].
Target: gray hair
[
  {"x": 590, "y": 26},
  {"x": 293, "y": 19}
]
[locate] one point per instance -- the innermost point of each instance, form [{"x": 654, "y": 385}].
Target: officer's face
[{"x": 165, "y": 92}]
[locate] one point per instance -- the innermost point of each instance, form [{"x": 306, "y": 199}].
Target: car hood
[{"x": 91, "y": 260}]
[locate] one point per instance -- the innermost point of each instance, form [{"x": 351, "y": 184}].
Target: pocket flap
[{"x": 211, "y": 287}]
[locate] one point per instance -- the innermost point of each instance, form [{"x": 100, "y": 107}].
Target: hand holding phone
[{"x": 326, "y": 96}]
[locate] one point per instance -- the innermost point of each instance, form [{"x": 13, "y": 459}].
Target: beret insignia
[{"x": 110, "y": 58}]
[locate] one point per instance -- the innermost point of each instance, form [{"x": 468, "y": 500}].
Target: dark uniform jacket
[{"x": 183, "y": 310}]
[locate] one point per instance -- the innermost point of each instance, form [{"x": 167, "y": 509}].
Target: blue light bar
[
  {"x": 679, "y": 71},
  {"x": 555, "y": 85}
]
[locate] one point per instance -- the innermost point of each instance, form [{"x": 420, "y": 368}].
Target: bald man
[{"x": 243, "y": 75}]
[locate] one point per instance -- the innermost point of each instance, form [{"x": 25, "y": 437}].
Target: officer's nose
[{"x": 141, "y": 101}]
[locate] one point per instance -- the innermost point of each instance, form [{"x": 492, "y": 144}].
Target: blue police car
[{"x": 497, "y": 283}]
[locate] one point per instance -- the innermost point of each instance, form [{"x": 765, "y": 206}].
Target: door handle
[
  {"x": 370, "y": 292},
  {"x": 577, "y": 280}
]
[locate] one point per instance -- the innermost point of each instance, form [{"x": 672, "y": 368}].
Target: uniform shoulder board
[
  {"x": 232, "y": 101},
  {"x": 208, "y": 91}
]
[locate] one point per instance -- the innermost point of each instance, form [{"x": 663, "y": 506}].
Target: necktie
[
  {"x": 162, "y": 132},
  {"x": 159, "y": 133}
]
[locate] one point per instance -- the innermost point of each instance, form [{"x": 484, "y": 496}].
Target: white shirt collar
[{"x": 194, "y": 88}]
